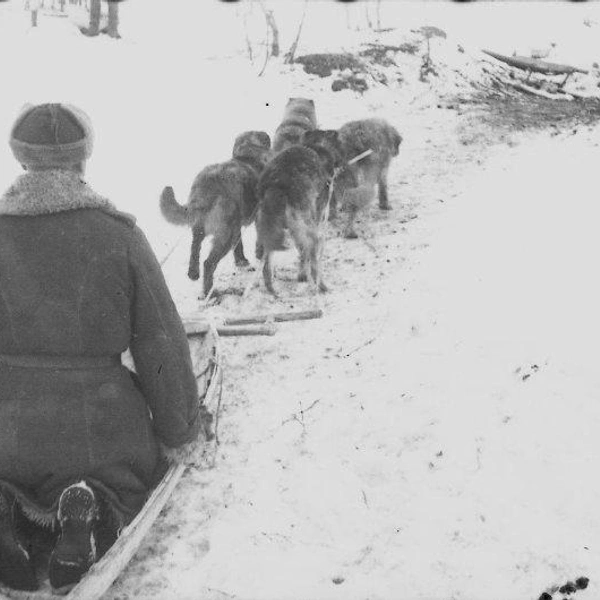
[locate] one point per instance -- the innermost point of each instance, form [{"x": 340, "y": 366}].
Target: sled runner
[
  {"x": 204, "y": 348},
  {"x": 535, "y": 65}
]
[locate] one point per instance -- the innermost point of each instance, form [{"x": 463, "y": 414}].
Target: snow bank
[{"x": 450, "y": 456}]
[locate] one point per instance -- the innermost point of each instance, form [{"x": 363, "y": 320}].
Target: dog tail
[
  {"x": 270, "y": 221},
  {"x": 396, "y": 140},
  {"x": 171, "y": 209}
]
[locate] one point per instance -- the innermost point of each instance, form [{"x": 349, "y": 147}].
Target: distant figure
[
  {"x": 33, "y": 6},
  {"x": 79, "y": 284}
]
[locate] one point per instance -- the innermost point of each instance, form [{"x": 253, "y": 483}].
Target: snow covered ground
[{"x": 433, "y": 436}]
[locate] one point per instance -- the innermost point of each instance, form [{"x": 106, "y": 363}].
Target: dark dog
[
  {"x": 299, "y": 116},
  {"x": 222, "y": 199},
  {"x": 294, "y": 194},
  {"x": 356, "y": 137}
]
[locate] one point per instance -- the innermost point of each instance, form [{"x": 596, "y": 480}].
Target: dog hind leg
[
  {"x": 384, "y": 203},
  {"x": 304, "y": 264},
  {"x": 268, "y": 273},
  {"x": 197, "y": 238},
  {"x": 221, "y": 246},
  {"x": 333, "y": 204},
  {"x": 238, "y": 253},
  {"x": 259, "y": 250},
  {"x": 300, "y": 233},
  {"x": 350, "y": 231},
  {"x": 316, "y": 253}
]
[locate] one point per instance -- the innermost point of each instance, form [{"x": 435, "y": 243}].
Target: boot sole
[
  {"x": 66, "y": 568},
  {"x": 75, "y": 550}
]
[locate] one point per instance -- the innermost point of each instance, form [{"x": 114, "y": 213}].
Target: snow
[{"x": 433, "y": 436}]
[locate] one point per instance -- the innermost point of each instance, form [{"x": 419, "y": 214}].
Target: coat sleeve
[{"x": 160, "y": 349}]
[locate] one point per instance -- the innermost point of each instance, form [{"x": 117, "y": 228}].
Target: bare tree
[
  {"x": 353, "y": 17},
  {"x": 267, "y": 52},
  {"x": 248, "y": 42},
  {"x": 368, "y": 16},
  {"x": 378, "y": 14},
  {"x": 244, "y": 13},
  {"x": 113, "y": 18},
  {"x": 291, "y": 53},
  {"x": 272, "y": 25}
]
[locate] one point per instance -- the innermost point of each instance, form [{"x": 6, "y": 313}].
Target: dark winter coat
[{"x": 79, "y": 279}]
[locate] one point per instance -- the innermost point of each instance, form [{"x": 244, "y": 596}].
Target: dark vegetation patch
[
  {"x": 358, "y": 84},
  {"x": 323, "y": 65},
  {"x": 532, "y": 112},
  {"x": 383, "y": 54},
  {"x": 357, "y": 71}
]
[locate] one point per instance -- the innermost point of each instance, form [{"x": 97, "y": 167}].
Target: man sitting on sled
[{"x": 79, "y": 284}]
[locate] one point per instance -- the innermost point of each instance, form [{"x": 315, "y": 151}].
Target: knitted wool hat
[{"x": 52, "y": 135}]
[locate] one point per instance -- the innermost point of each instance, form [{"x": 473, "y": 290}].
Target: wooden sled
[
  {"x": 204, "y": 348},
  {"x": 535, "y": 65}
]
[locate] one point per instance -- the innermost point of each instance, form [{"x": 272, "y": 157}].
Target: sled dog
[
  {"x": 356, "y": 137},
  {"x": 293, "y": 193},
  {"x": 222, "y": 199},
  {"x": 299, "y": 116}
]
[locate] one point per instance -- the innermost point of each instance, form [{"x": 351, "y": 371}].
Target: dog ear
[
  {"x": 311, "y": 136},
  {"x": 332, "y": 134},
  {"x": 264, "y": 139}
]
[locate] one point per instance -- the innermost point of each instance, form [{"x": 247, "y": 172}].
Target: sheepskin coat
[{"x": 79, "y": 279}]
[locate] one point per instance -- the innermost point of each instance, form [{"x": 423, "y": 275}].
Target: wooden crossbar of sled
[
  {"x": 55, "y": 13},
  {"x": 204, "y": 349},
  {"x": 300, "y": 315},
  {"x": 535, "y": 65}
]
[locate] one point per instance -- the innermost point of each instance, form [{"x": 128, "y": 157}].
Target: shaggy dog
[
  {"x": 293, "y": 193},
  {"x": 299, "y": 116},
  {"x": 357, "y": 137},
  {"x": 222, "y": 199}
]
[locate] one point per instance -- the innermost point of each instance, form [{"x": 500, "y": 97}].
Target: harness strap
[{"x": 40, "y": 361}]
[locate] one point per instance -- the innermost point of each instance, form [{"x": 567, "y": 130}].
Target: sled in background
[
  {"x": 205, "y": 353},
  {"x": 535, "y": 65},
  {"x": 543, "y": 87}
]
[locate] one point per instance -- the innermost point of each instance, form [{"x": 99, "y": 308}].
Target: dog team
[{"x": 295, "y": 184}]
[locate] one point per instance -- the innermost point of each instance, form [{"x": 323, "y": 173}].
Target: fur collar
[{"x": 51, "y": 191}]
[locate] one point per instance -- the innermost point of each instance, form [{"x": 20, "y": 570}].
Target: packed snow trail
[{"x": 434, "y": 434}]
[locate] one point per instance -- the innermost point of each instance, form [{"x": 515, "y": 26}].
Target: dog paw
[
  {"x": 351, "y": 235},
  {"x": 302, "y": 277},
  {"x": 194, "y": 275},
  {"x": 323, "y": 288},
  {"x": 244, "y": 262},
  {"x": 385, "y": 206},
  {"x": 272, "y": 292}
]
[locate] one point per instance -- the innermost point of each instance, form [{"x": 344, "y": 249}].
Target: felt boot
[
  {"x": 16, "y": 569},
  {"x": 75, "y": 550}
]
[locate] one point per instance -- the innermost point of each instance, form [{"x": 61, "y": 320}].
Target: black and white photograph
[{"x": 299, "y": 300}]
